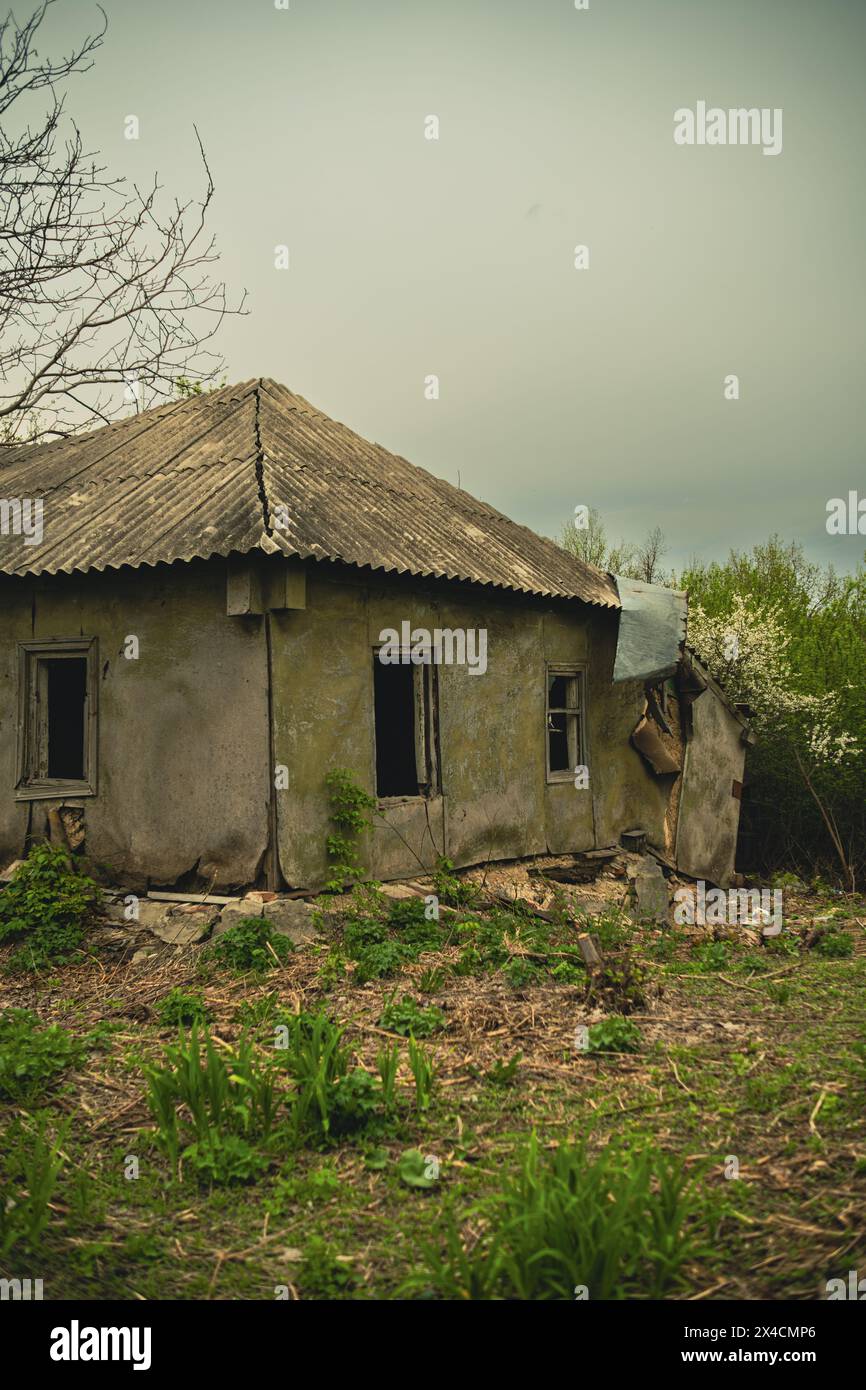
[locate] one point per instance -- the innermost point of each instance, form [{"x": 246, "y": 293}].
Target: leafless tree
[
  {"x": 106, "y": 297},
  {"x": 648, "y": 560},
  {"x": 589, "y": 543}
]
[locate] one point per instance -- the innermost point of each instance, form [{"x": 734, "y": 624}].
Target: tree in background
[
  {"x": 589, "y": 543},
  {"x": 105, "y": 297},
  {"x": 788, "y": 637}
]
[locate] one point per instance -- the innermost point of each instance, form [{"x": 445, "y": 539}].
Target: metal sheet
[{"x": 652, "y": 630}]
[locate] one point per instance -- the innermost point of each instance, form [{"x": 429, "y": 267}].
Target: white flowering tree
[{"x": 747, "y": 650}]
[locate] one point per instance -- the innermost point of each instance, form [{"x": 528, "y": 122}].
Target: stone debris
[
  {"x": 652, "y": 897},
  {"x": 294, "y": 919}
]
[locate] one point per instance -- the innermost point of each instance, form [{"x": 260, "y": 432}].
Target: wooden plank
[{"x": 191, "y": 898}]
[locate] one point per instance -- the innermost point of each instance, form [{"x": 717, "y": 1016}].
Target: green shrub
[
  {"x": 567, "y": 972},
  {"x": 360, "y": 933},
  {"x": 179, "y": 1006},
  {"x": 712, "y": 955},
  {"x": 31, "y": 1057},
  {"x": 251, "y": 945},
  {"x": 375, "y": 962},
  {"x": 519, "y": 971},
  {"x": 834, "y": 944},
  {"x": 327, "y": 1097},
  {"x": 323, "y": 1274},
  {"x": 614, "y": 1035},
  {"x": 408, "y": 1018},
  {"x": 355, "y": 1101},
  {"x": 454, "y": 891},
  {"x": 224, "y": 1159},
  {"x": 46, "y": 908}
]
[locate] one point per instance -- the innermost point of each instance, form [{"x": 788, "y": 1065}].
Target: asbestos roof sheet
[
  {"x": 652, "y": 630},
  {"x": 252, "y": 467}
]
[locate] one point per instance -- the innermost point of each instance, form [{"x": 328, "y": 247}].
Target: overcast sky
[{"x": 455, "y": 257}]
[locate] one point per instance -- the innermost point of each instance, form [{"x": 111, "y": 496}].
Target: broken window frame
[
  {"x": 425, "y": 685},
  {"x": 575, "y": 716},
  {"x": 31, "y": 780}
]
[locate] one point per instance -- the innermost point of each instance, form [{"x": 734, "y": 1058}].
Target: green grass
[{"x": 295, "y": 1142}]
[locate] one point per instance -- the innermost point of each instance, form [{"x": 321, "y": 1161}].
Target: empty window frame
[
  {"x": 57, "y": 718},
  {"x": 564, "y": 722},
  {"x": 405, "y": 729}
]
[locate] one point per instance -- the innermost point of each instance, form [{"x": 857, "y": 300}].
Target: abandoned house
[{"x": 190, "y": 640}]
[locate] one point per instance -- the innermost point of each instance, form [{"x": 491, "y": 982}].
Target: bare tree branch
[{"x": 106, "y": 295}]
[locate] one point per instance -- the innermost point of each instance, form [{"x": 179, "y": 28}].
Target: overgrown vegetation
[
  {"x": 788, "y": 637},
  {"x": 251, "y": 945},
  {"x": 349, "y": 804},
  {"x": 352, "y": 1138},
  {"x": 32, "y": 1058},
  {"x": 46, "y": 908},
  {"x": 621, "y": 1225}
]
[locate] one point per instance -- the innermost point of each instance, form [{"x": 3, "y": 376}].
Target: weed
[
  {"x": 454, "y": 891},
  {"x": 618, "y": 986},
  {"x": 348, "y": 803},
  {"x": 323, "y": 1274},
  {"x": 504, "y": 1073},
  {"x": 417, "y": 1171},
  {"x": 407, "y": 1017},
  {"x": 354, "y": 1102},
  {"x": 387, "y": 1065},
  {"x": 375, "y": 962},
  {"x": 30, "y": 1174},
  {"x": 46, "y": 907},
  {"x": 431, "y": 981},
  {"x": 251, "y": 945},
  {"x": 424, "y": 1073},
  {"x": 779, "y": 993},
  {"x": 180, "y": 1007},
  {"x": 622, "y": 1225},
  {"x": 614, "y": 1034},
  {"x": 834, "y": 944},
  {"x": 226, "y": 1092},
  {"x": 223, "y": 1159},
  {"x": 31, "y": 1058},
  {"x": 519, "y": 972},
  {"x": 612, "y": 928}
]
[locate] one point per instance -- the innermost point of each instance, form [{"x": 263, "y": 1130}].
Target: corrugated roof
[{"x": 221, "y": 473}]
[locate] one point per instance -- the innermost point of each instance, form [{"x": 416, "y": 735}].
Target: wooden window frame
[
  {"x": 425, "y": 684},
  {"x": 30, "y": 783},
  {"x": 575, "y": 716}
]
